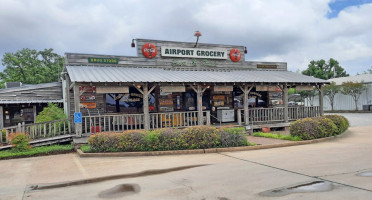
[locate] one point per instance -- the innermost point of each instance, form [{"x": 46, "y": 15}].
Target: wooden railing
[
  {"x": 277, "y": 114},
  {"x": 177, "y": 119},
  {"x": 40, "y": 130}
]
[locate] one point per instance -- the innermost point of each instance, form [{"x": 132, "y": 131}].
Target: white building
[{"x": 346, "y": 102}]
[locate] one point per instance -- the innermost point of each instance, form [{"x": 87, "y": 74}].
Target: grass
[
  {"x": 37, "y": 151},
  {"x": 85, "y": 148},
  {"x": 277, "y": 136}
]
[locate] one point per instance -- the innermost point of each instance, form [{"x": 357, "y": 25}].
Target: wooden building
[
  {"x": 176, "y": 84},
  {"x": 22, "y": 103}
]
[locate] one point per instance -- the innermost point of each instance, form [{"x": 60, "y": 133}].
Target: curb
[{"x": 212, "y": 150}]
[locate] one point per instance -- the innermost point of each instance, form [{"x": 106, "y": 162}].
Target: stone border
[{"x": 212, "y": 150}]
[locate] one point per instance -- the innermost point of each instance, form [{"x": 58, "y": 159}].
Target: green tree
[
  {"x": 50, "y": 113},
  {"x": 325, "y": 70},
  {"x": 369, "y": 71},
  {"x": 354, "y": 89},
  {"x": 309, "y": 95},
  {"x": 31, "y": 66},
  {"x": 330, "y": 91}
]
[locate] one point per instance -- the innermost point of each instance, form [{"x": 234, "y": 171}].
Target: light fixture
[
  {"x": 208, "y": 86},
  {"x": 245, "y": 50},
  {"x": 133, "y": 44},
  {"x": 6, "y": 112},
  {"x": 197, "y": 34},
  {"x": 138, "y": 86}
]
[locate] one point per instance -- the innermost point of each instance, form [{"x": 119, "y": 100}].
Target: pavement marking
[
  {"x": 293, "y": 172},
  {"x": 80, "y": 166}
]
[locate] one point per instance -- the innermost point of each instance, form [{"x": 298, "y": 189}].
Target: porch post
[
  {"x": 1, "y": 117},
  {"x": 199, "y": 97},
  {"x": 246, "y": 91},
  {"x": 34, "y": 110},
  {"x": 78, "y": 126},
  {"x": 145, "y": 92},
  {"x": 285, "y": 102},
  {"x": 146, "y": 111},
  {"x": 321, "y": 110}
]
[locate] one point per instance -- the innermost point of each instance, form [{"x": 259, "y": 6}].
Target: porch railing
[
  {"x": 177, "y": 119},
  {"x": 261, "y": 115},
  {"x": 40, "y": 130}
]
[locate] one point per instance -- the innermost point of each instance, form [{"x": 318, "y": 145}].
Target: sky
[{"x": 292, "y": 31}]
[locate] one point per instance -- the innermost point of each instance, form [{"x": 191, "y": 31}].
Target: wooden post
[
  {"x": 321, "y": 110},
  {"x": 246, "y": 89},
  {"x": 34, "y": 110},
  {"x": 1, "y": 117},
  {"x": 199, "y": 97},
  {"x": 145, "y": 92},
  {"x": 285, "y": 102},
  {"x": 78, "y": 126},
  {"x": 67, "y": 96}
]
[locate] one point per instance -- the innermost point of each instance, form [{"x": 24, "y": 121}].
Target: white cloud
[{"x": 273, "y": 30}]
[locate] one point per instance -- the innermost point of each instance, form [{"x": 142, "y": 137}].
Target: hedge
[
  {"x": 319, "y": 127},
  {"x": 200, "y": 137}
]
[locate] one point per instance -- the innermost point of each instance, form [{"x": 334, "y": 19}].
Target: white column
[
  {"x": 285, "y": 102},
  {"x": 1, "y": 117},
  {"x": 246, "y": 89},
  {"x": 34, "y": 111},
  {"x": 321, "y": 109}
]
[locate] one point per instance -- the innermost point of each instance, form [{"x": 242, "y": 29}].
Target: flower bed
[{"x": 200, "y": 137}]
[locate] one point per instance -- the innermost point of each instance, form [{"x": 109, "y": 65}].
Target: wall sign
[
  {"x": 235, "y": 55},
  {"x": 88, "y": 105},
  {"x": 223, "y": 88},
  {"x": 112, "y": 89},
  {"x": 193, "y": 53},
  {"x": 149, "y": 50},
  {"x": 103, "y": 60},
  {"x": 259, "y": 66},
  {"x": 165, "y": 89},
  {"x": 90, "y": 89},
  {"x": 87, "y": 97}
]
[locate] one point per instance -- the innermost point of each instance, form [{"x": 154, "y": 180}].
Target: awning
[{"x": 159, "y": 75}]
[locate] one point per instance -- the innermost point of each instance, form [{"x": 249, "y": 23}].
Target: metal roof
[
  {"x": 40, "y": 93},
  {"x": 159, "y": 75},
  {"x": 366, "y": 78}
]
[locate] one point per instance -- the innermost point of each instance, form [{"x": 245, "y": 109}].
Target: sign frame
[{"x": 180, "y": 52}]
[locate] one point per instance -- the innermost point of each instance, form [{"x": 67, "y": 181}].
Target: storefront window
[{"x": 128, "y": 103}]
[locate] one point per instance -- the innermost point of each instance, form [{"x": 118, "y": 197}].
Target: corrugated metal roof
[
  {"x": 158, "y": 75},
  {"x": 366, "y": 78},
  {"x": 31, "y": 101}
]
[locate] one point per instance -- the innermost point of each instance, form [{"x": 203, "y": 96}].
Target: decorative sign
[
  {"x": 78, "y": 118},
  {"x": 165, "y": 89},
  {"x": 90, "y": 89},
  {"x": 87, "y": 97},
  {"x": 226, "y": 88},
  {"x": 112, "y": 89},
  {"x": 268, "y": 88},
  {"x": 259, "y": 66},
  {"x": 304, "y": 87},
  {"x": 165, "y": 102},
  {"x": 193, "y": 53},
  {"x": 218, "y": 97},
  {"x": 88, "y": 105},
  {"x": 103, "y": 60},
  {"x": 235, "y": 55},
  {"x": 149, "y": 50}
]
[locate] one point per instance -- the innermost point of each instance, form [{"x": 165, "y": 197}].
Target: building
[
  {"x": 21, "y": 103},
  {"x": 175, "y": 84},
  {"x": 346, "y": 102}
]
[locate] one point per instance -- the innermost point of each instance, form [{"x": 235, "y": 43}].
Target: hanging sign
[
  {"x": 235, "y": 55},
  {"x": 304, "y": 87},
  {"x": 112, "y": 89},
  {"x": 165, "y": 89},
  {"x": 193, "y": 53},
  {"x": 88, "y": 105},
  {"x": 268, "y": 88},
  {"x": 226, "y": 88},
  {"x": 260, "y": 66},
  {"x": 149, "y": 50},
  {"x": 87, "y": 97}
]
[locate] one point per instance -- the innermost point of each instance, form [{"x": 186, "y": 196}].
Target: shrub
[
  {"x": 200, "y": 137},
  {"x": 50, "y": 113},
  {"x": 168, "y": 139},
  {"x": 19, "y": 142},
  {"x": 312, "y": 128},
  {"x": 233, "y": 136},
  {"x": 277, "y": 136},
  {"x": 340, "y": 121}
]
